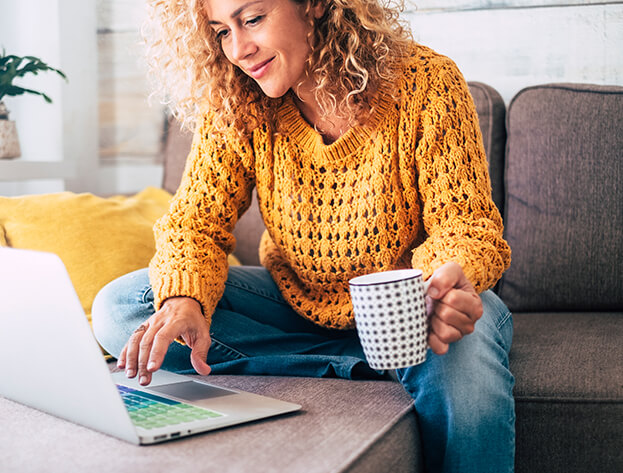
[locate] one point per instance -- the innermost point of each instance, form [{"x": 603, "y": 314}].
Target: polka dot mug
[{"x": 391, "y": 318}]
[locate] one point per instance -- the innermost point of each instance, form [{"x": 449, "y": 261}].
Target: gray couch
[{"x": 557, "y": 173}]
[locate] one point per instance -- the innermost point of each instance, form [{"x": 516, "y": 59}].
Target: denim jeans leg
[
  {"x": 464, "y": 399},
  {"x": 253, "y": 330}
]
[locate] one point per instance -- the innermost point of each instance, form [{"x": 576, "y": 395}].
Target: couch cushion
[
  {"x": 491, "y": 112},
  {"x": 98, "y": 239},
  {"x": 568, "y": 391},
  {"x": 564, "y": 202},
  {"x": 333, "y": 433},
  {"x": 175, "y": 149},
  {"x": 573, "y": 357}
]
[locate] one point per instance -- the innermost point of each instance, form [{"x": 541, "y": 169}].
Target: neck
[{"x": 330, "y": 128}]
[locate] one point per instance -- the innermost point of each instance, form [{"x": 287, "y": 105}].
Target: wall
[
  {"x": 59, "y": 140},
  {"x": 511, "y": 44},
  {"x": 130, "y": 126},
  {"x": 96, "y": 42}
]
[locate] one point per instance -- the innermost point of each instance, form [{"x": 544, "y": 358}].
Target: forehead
[{"x": 228, "y": 9}]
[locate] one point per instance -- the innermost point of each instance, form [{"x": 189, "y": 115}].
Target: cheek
[
  {"x": 297, "y": 47},
  {"x": 227, "y": 53},
  {"x": 300, "y": 46},
  {"x": 302, "y": 55}
]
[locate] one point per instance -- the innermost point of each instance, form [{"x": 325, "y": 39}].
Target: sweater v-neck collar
[{"x": 300, "y": 131}]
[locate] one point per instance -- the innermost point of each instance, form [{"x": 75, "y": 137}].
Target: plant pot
[{"x": 9, "y": 141}]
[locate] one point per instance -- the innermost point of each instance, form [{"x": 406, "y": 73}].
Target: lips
[{"x": 260, "y": 69}]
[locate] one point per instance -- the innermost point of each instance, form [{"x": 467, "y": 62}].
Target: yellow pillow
[{"x": 98, "y": 239}]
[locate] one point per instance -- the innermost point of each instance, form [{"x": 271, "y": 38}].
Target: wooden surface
[
  {"x": 129, "y": 126},
  {"x": 450, "y": 5}
]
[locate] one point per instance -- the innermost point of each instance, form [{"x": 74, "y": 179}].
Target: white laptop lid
[
  {"x": 38, "y": 308},
  {"x": 42, "y": 321}
]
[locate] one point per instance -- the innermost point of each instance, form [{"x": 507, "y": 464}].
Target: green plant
[{"x": 12, "y": 67}]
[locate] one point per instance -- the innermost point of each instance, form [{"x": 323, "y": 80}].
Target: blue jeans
[{"x": 463, "y": 399}]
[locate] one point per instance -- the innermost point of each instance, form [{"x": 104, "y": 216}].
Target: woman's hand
[
  {"x": 453, "y": 307},
  {"x": 146, "y": 348}
]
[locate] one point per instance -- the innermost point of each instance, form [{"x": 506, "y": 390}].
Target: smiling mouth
[{"x": 260, "y": 69}]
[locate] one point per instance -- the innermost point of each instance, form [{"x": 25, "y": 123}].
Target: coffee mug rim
[{"x": 417, "y": 273}]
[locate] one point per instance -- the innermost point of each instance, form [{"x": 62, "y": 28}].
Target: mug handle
[{"x": 426, "y": 285}]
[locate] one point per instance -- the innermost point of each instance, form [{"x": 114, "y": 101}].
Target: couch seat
[
  {"x": 569, "y": 391},
  {"x": 345, "y": 426}
]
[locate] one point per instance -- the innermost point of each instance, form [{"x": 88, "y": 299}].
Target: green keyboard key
[{"x": 150, "y": 411}]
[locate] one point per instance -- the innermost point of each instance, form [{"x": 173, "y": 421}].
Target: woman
[{"x": 366, "y": 155}]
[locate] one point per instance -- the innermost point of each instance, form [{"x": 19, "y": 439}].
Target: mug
[{"x": 390, "y": 314}]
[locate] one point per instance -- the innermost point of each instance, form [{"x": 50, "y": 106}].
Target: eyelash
[
  {"x": 251, "y": 22},
  {"x": 255, "y": 20}
]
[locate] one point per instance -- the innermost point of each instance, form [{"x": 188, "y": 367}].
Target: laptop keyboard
[{"x": 150, "y": 411}]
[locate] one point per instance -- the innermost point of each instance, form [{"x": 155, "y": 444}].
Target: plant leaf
[
  {"x": 12, "y": 67},
  {"x": 15, "y": 90}
]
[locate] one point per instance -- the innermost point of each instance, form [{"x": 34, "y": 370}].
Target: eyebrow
[{"x": 237, "y": 11}]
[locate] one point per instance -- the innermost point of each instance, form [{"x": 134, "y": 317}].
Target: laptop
[{"x": 42, "y": 323}]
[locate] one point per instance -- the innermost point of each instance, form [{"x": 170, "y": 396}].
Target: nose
[{"x": 242, "y": 45}]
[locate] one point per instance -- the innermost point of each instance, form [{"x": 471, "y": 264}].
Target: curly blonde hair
[{"x": 354, "y": 48}]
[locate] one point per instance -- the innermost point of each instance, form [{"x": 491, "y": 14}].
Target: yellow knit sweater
[{"x": 410, "y": 189}]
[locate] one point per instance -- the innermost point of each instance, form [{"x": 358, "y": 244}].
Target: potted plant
[{"x": 12, "y": 67}]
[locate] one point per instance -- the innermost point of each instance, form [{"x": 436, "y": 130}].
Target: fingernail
[
  {"x": 130, "y": 373},
  {"x": 433, "y": 291},
  {"x": 151, "y": 365},
  {"x": 143, "y": 380}
]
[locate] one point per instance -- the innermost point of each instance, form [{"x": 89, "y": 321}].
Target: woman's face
[{"x": 266, "y": 39}]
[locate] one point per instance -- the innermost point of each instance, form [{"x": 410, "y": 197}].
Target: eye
[
  {"x": 254, "y": 21},
  {"x": 221, "y": 34}
]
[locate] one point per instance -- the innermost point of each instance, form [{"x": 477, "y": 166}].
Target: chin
[{"x": 274, "y": 92}]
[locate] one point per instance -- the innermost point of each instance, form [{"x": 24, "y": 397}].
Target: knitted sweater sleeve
[
  {"x": 194, "y": 238},
  {"x": 461, "y": 222}
]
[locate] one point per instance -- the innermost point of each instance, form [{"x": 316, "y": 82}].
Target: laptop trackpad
[{"x": 191, "y": 391}]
